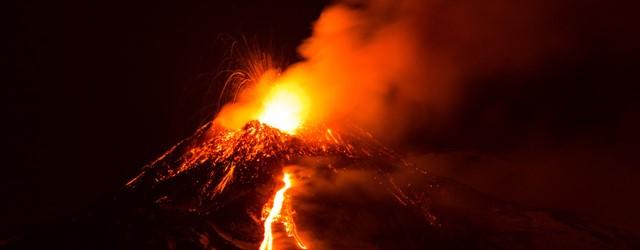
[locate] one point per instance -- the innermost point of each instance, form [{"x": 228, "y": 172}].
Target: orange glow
[
  {"x": 285, "y": 107},
  {"x": 279, "y": 101},
  {"x": 275, "y": 215}
]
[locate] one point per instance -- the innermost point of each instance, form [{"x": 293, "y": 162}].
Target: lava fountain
[{"x": 284, "y": 107}]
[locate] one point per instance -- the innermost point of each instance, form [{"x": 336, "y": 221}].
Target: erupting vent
[{"x": 285, "y": 108}]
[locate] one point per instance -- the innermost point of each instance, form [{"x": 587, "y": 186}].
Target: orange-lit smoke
[
  {"x": 387, "y": 64},
  {"x": 344, "y": 76}
]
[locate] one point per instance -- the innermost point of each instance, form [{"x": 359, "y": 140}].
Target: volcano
[{"x": 218, "y": 188}]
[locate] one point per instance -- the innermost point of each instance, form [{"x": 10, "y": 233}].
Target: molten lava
[
  {"x": 275, "y": 214},
  {"x": 285, "y": 107}
]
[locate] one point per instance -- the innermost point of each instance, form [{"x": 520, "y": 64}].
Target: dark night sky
[{"x": 96, "y": 90}]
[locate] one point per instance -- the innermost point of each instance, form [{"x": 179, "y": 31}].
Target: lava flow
[{"x": 275, "y": 214}]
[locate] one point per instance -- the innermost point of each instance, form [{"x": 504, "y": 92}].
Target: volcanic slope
[{"x": 349, "y": 192}]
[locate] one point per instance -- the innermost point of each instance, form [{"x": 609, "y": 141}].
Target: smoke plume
[{"x": 492, "y": 90}]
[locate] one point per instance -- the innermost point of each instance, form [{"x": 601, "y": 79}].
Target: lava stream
[{"x": 275, "y": 215}]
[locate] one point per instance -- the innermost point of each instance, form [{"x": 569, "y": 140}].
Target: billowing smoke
[
  {"x": 390, "y": 65},
  {"x": 494, "y": 91},
  {"x": 398, "y": 67}
]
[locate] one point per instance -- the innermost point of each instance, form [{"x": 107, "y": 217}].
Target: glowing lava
[
  {"x": 276, "y": 215},
  {"x": 285, "y": 107}
]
